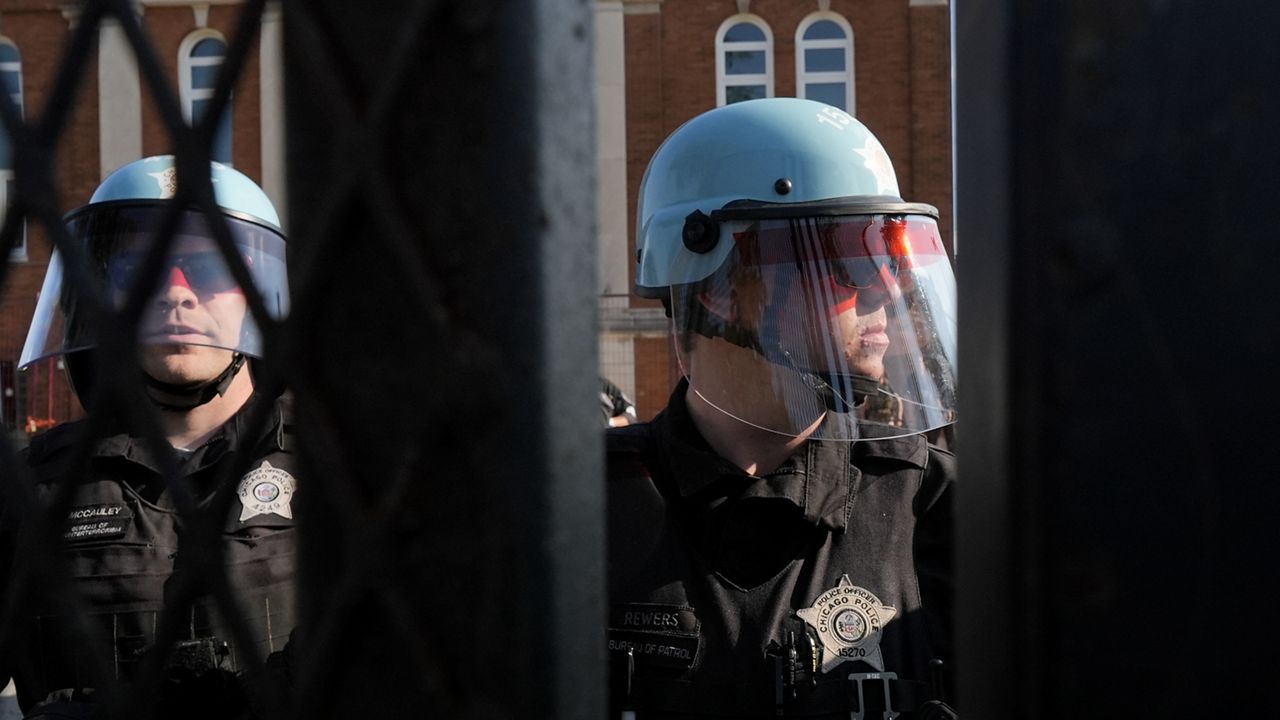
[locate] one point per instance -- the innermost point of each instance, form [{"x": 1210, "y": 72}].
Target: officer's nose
[
  {"x": 176, "y": 290},
  {"x": 882, "y": 291}
]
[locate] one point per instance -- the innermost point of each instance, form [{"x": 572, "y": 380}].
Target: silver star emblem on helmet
[
  {"x": 877, "y": 161},
  {"x": 167, "y": 179}
]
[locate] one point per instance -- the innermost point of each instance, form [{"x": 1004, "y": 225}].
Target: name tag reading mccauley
[{"x": 97, "y": 522}]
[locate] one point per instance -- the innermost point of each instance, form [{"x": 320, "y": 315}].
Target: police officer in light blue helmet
[
  {"x": 196, "y": 332},
  {"x": 779, "y": 534},
  {"x": 143, "y": 249},
  {"x": 808, "y": 298}
]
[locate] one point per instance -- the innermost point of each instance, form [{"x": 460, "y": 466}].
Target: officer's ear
[
  {"x": 743, "y": 298},
  {"x": 718, "y": 305}
]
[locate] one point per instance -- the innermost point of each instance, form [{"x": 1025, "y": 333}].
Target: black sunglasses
[
  {"x": 863, "y": 272},
  {"x": 205, "y": 271}
]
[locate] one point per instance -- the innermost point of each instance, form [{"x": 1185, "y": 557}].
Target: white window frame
[
  {"x": 723, "y": 82},
  {"x": 186, "y": 63},
  {"x": 803, "y": 78},
  {"x": 18, "y": 253}
]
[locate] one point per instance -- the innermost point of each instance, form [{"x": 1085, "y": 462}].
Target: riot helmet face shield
[
  {"x": 835, "y": 326},
  {"x": 193, "y": 301}
]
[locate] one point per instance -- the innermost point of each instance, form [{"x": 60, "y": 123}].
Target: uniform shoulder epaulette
[
  {"x": 285, "y": 403},
  {"x": 54, "y": 440},
  {"x": 629, "y": 452},
  {"x": 286, "y": 437},
  {"x": 631, "y": 439},
  {"x": 909, "y": 449},
  {"x": 635, "y": 501},
  {"x": 939, "y": 475},
  {"x": 48, "y": 454}
]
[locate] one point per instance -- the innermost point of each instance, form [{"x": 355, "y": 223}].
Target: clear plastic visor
[
  {"x": 840, "y": 327},
  {"x": 194, "y": 299}
]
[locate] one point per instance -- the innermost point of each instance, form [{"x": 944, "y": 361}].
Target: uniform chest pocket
[
  {"x": 655, "y": 635},
  {"x": 261, "y": 554},
  {"x": 258, "y": 527},
  {"x": 265, "y": 541},
  {"x": 259, "y": 530},
  {"x": 117, "y": 576}
]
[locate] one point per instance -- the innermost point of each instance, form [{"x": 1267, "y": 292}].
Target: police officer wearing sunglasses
[
  {"x": 123, "y": 534},
  {"x": 779, "y": 534}
]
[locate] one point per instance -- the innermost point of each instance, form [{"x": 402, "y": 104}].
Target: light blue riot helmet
[
  {"x": 118, "y": 228},
  {"x": 807, "y": 297}
]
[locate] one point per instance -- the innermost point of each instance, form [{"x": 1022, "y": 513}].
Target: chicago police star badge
[
  {"x": 849, "y": 621},
  {"x": 266, "y": 490}
]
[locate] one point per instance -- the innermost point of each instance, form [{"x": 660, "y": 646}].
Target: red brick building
[
  {"x": 659, "y": 63},
  {"x": 887, "y": 62}
]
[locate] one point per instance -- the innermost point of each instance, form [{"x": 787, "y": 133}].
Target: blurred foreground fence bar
[
  {"x": 441, "y": 179},
  {"x": 1117, "y": 271}
]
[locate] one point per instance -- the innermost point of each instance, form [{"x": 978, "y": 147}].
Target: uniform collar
[
  {"x": 135, "y": 448},
  {"x": 819, "y": 478},
  {"x": 694, "y": 464},
  {"x": 911, "y": 449}
]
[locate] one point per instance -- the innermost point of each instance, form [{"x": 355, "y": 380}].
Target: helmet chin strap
[
  {"x": 825, "y": 384},
  {"x": 185, "y": 396},
  {"x": 863, "y": 386}
]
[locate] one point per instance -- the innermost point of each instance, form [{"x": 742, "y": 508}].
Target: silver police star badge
[
  {"x": 266, "y": 490},
  {"x": 849, "y": 621}
]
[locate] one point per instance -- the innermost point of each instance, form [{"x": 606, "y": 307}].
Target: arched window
[
  {"x": 824, "y": 60},
  {"x": 744, "y": 60},
  {"x": 199, "y": 61},
  {"x": 11, "y": 76}
]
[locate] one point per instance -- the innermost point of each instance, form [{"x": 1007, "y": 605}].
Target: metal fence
[
  {"x": 439, "y": 348},
  {"x": 632, "y": 350}
]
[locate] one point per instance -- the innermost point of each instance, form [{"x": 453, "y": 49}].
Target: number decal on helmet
[{"x": 835, "y": 117}]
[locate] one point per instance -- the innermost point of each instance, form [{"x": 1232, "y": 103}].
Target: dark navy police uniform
[
  {"x": 120, "y": 541},
  {"x": 740, "y": 596}
]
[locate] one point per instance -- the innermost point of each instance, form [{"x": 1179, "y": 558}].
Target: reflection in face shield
[
  {"x": 203, "y": 272},
  {"x": 195, "y": 302},
  {"x": 875, "y": 257},
  {"x": 847, "y": 276},
  {"x": 850, "y": 320}
]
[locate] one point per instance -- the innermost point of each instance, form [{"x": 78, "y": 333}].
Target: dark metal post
[
  {"x": 442, "y": 193},
  {"x": 986, "y": 554},
  {"x": 1116, "y": 170}
]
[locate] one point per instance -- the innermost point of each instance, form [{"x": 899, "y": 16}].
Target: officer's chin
[{"x": 178, "y": 364}]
